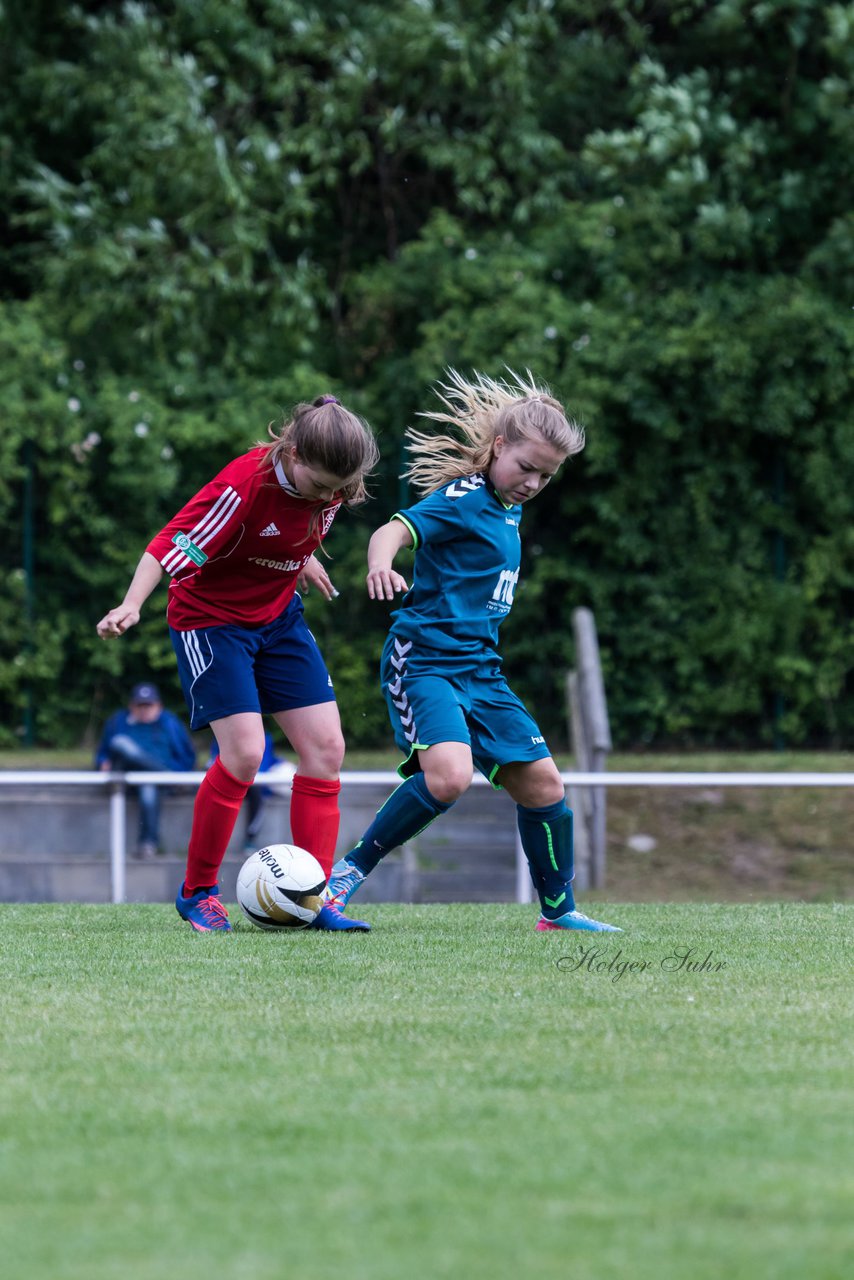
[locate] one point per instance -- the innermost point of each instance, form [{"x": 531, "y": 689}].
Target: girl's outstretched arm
[
  {"x": 383, "y": 581},
  {"x": 145, "y": 579}
]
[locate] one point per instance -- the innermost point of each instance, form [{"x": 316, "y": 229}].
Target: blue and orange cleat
[
  {"x": 576, "y": 920},
  {"x": 203, "y": 909}
]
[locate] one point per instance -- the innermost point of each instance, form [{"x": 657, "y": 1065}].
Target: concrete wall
[{"x": 55, "y": 842}]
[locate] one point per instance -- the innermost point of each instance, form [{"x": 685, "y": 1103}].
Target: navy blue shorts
[
  {"x": 430, "y": 702},
  {"x": 226, "y": 670}
]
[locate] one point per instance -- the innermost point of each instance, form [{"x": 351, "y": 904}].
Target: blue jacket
[{"x": 166, "y": 739}]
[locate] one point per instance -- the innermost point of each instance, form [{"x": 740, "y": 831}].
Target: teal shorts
[{"x": 430, "y": 702}]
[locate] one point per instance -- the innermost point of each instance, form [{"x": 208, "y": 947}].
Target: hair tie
[{"x": 329, "y": 400}]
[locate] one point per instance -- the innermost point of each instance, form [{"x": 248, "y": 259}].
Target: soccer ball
[{"x": 280, "y": 887}]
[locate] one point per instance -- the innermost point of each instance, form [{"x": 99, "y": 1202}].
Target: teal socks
[
  {"x": 407, "y": 811},
  {"x": 547, "y": 840}
]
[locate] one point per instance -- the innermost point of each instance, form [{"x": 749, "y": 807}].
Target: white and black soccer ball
[{"x": 280, "y": 887}]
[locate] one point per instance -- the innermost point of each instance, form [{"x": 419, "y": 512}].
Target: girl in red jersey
[{"x": 236, "y": 553}]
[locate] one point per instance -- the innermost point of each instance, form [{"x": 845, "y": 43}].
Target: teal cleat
[
  {"x": 343, "y": 883},
  {"x": 576, "y": 920}
]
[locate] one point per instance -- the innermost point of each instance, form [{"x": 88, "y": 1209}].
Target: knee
[
  {"x": 534, "y": 786},
  {"x": 331, "y": 758},
  {"x": 149, "y": 796},
  {"x": 324, "y": 757},
  {"x": 547, "y": 793},
  {"x": 242, "y": 762},
  {"x": 448, "y": 782}
]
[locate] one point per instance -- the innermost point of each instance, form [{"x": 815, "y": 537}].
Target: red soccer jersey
[{"x": 235, "y": 551}]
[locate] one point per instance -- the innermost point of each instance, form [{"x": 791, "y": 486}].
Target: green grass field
[{"x": 453, "y": 1095}]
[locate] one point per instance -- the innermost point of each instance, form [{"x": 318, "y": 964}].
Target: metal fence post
[
  {"x": 524, "y": 886},
  {"x": 118, "y": 840}
]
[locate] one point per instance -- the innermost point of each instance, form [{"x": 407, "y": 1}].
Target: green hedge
[{"x": 210, "y": 217}]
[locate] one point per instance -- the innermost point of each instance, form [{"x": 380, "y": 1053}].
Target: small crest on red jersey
[
  {"x": 185, "y": 543},
  {"x": 328, "y": 516}
]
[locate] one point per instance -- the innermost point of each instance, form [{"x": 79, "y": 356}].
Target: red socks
[
  {"x": 218, "y": 802},
  {"x": 314, "y": 822},
  {"x": 315, "y": 817}
]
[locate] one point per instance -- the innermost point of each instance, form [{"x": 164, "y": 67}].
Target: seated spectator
[{"x": 146, "y": 737}]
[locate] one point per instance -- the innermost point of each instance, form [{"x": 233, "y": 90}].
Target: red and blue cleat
[{"x": 203, "y": 909}]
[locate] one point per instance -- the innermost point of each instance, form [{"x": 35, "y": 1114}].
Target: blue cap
[{"x": 145, "y": 693}]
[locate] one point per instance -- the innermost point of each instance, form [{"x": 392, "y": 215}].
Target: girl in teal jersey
[{"x": 450, "y": 707}]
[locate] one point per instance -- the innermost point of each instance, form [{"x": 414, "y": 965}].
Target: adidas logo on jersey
[{"x": 270, "y": 531}]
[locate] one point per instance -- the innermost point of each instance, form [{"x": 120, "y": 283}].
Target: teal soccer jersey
[
  {"x": 466, "y": 569},
  {"x": 440, "y": 671}
]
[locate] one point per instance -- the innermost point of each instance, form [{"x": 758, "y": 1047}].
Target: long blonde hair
[{"x": 478, "y": 411}]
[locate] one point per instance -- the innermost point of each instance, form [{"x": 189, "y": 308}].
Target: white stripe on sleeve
[{"x": 205, "y": 529}]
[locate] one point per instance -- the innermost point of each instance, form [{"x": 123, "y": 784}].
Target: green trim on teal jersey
[
  {"x": 508, "y": 506},
  {"x": 410, "y": 527},
  {"x": 401, "y": 768}
]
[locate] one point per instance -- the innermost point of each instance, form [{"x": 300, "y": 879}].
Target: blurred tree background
[{"x": 213, "y": 210}]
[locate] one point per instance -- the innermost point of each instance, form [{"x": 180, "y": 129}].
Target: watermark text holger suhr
[{"x": 589, "y": 959}]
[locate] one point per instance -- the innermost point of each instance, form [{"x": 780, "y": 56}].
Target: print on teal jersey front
[{"x": 466, "y": 569}]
